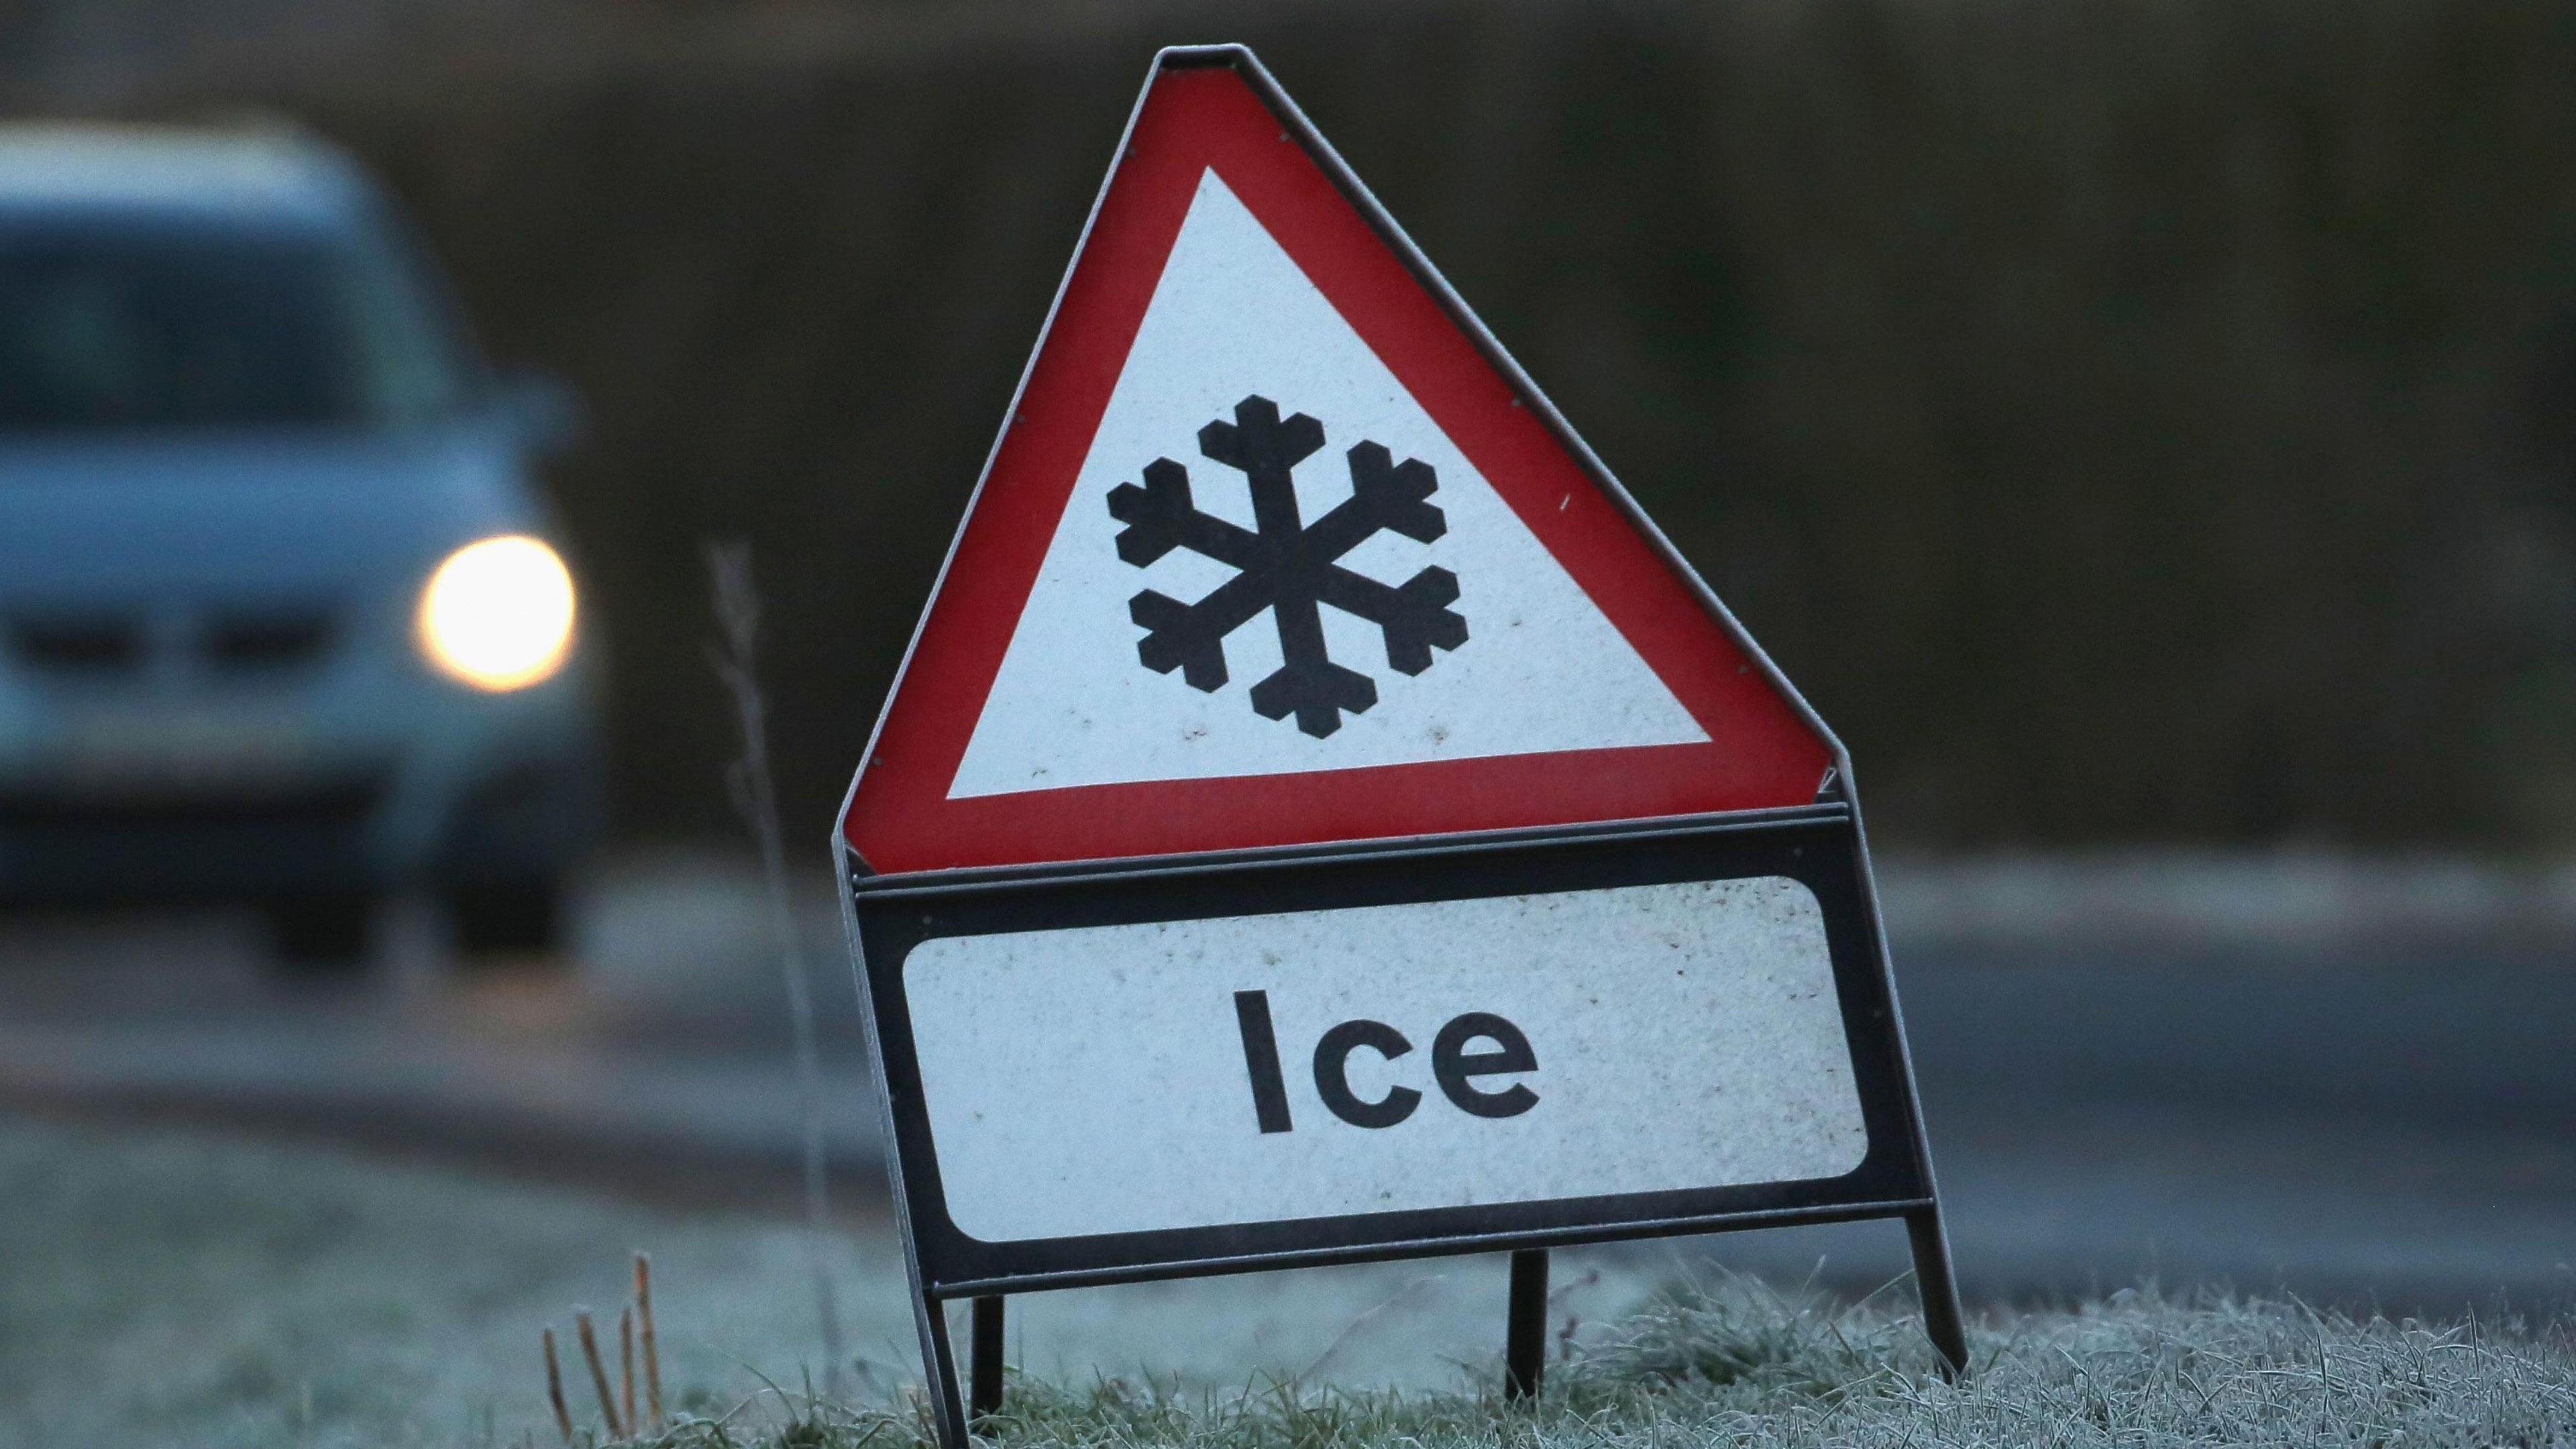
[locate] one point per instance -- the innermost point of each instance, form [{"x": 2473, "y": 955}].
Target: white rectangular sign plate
[
  {"x": 1112, "y": 1072},
  {"x": 1164, "y": 1075}
]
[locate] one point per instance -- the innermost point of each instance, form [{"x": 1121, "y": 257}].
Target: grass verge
[{"x": 1736, "y": 1364}]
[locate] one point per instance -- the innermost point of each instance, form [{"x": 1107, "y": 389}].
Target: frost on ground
[
  {"x": 1740, "y": 1365},
  {"x": 181, "y": 1288},
  {"x": 185, "y": 1288},
  {"x": 170, "y": 1287}
]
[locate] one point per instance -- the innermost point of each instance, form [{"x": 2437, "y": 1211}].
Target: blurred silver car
[{"x": 279, "y": 617}]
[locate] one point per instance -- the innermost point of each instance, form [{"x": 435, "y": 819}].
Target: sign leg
[
  {"x": 947, "y": 1413},
  {"x": 1525, "y": 1337},
  {"x": 1939, "y": 1287},
  {"x": 984, "y": 1377}
]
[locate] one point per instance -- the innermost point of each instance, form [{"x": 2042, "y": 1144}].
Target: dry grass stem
[
  {"x": 754, "y": 789},
  {"x": 626, "y": 1367},
  {"x": 652, "y": 1358},
  {"x": 554, "y": 1388},
  {"x": 598, "y": 1373}
]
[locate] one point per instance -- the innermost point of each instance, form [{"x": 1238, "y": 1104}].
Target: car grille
[
  {"x": 87, "y": 646},
  {"x": 267, "y": 642},
  {"x": 55, "y": 844},
  {"x": 234, "y": 643}
]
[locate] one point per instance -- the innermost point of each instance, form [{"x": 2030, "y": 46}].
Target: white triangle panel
[{"x": 1540, "y": 669}]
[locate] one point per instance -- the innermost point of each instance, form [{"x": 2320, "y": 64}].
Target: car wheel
[
  {"x": 512, "y": 918},
  {"x": 328, "y": 933}
]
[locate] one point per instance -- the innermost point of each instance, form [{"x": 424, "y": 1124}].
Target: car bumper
[{"x": 332, "y": 788}]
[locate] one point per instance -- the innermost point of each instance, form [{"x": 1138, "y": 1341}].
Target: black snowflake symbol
[{"x": 1287, "y": 568}]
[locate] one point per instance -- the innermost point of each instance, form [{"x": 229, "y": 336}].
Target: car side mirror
[{"x": 541, "y": 410}]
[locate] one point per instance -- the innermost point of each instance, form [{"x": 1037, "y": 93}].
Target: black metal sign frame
[{"x": 1821, "y": 847}]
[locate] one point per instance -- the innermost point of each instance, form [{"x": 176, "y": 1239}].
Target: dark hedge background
[{"x": 2128, "y": 420}]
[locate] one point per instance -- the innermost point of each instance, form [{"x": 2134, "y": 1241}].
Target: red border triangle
[{"x": 1763, "y": 753}]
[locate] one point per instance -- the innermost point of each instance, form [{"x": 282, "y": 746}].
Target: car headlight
[{"x": 498, "y": 614}]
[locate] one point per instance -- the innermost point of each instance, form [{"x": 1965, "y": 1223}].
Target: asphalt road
[
  {"x": 2363, "y": 1126},
  {"x": 2363, "y": 1111}
]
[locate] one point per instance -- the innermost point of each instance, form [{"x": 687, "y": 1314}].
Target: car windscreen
[{"x": 115, "y": 324}]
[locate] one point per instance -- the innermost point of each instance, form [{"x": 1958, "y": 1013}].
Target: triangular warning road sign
[
  {"x": 1278, "y": 547},
  {"x": 1512, "y": 658}
]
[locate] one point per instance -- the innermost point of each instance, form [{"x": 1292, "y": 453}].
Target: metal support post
[
  {"x": 1525, "y": 1338},
  {"x": 1939, "y": 1286},
  {"x": 948, "y": 1411},
  {"x": 984, "y": 1362}
]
